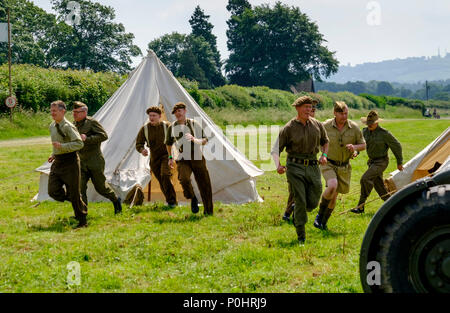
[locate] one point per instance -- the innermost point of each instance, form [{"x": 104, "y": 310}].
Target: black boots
[
  {"x": 359, "y": 208},
  {"x": 301, "y": 235},
  {"x": 81, "y": 222},
  {"x": 194, "y": 205},
  {"x": 325, "y": 218},
  {"x": 323, "y": 211},
  {"x": 117, "y": 206}
]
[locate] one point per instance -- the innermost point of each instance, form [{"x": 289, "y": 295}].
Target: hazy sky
[{"x": 358, "y": 30}]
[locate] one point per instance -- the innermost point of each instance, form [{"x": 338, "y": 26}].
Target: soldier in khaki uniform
[
  {"x": 302, "y": 137},
  {"x": 187, "y": 135},
  {"x": 65, "y": 169},
  {"x": 290, "y": 202},
  {"x": 345, "y": 138},
  {"x": 154, "y": 134},
  {"x": 91, "y": 157},
  {"x": 378, "y": 141}
]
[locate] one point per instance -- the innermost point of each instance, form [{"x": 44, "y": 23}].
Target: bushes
[{"x": 36, "y": 87}]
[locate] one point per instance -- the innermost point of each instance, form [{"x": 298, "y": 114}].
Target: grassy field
[
  {"x": 242, "y": 248},
  {"x": 28, "y": 124}
]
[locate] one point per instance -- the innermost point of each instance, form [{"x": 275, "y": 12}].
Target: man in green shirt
[
  {"x": 302, "y": 137},
  {"x": 378, "y": 141},
  {"x": 65, "y": 170},
  {"x": 154, "y": 135},
  {"x": 290, "y": 201},
  {"x": 188, "y": 136},
  {"x": 91, "y": 157}
]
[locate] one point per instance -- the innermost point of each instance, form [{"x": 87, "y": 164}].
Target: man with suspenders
[
  {"x": 188, "y": 136},
  {"x": 153, "y": 134}
]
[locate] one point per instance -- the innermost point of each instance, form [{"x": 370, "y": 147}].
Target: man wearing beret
[
  {"x": 91, "y": 156},
  {"x": 378, "y": 141},
  {"x": 345, "y": 138},
  {"x": 153, "y": 134},
  {"x": 290, "y": 202},
  {"x": 302, "y": 137},
  {"x": 188, "y": 136}
]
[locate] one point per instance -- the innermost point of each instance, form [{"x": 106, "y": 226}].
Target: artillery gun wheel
[{"x": 414, "y": 251}]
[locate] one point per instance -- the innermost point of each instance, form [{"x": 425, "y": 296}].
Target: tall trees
[
  {"x": 97, "y": 42},
  {"x": 276, "y": 47},
  {"x": 201, "y": 27},
  {"x": 186, "y": 56},
  {"x": 36, "y": 36},
  {"x": 40, "y": 38},
  {"x": 194, "y": 56}
]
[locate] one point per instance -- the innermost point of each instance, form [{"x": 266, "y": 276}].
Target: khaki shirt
[
  {"x": 350, "y": 134},
  {"x": 156, "y": 138},
  {"x": 70, "y": 142},
  {"x": 299, "y": 139},
  {"x": 95, "y": 135},
  {"x": 175, "y": 135},
  {"x": 378, "y": 143}
]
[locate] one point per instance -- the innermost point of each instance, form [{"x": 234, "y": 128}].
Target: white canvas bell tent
[
  {"x": 152, "y": 84},
  {"x": 430, "y": 160}
]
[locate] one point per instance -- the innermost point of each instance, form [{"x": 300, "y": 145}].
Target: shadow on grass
[
  {"x": 60, "y": 225},
  {"x": 149, "y": 208},
  {"x": 177, "y": 219},
  {"x": 330, "y": 233},
  {"x": 286, "y": 243}
]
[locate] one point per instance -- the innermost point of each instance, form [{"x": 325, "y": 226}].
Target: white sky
[{"x": 408, "y": 27}]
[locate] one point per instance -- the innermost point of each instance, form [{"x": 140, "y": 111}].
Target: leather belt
[
  {"x": 376, "y": 159},
  {"x": 303, "y": 161},
  {"x": 337, "y": 163}
]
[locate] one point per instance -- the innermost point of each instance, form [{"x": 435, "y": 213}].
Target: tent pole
[{"x": 149, "y": 194}]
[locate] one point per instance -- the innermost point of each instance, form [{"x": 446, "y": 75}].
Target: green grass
[
  {"x": 28, "y": 124},
  {"x": 242, "y": 248},
  {"x": 24, "y": 124}
]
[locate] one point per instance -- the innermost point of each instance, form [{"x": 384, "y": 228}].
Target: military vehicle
[{"x": 406, "y": 248}]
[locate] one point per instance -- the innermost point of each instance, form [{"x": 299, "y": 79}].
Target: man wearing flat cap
[
  {"x": 154, "y": 134},
  {"x": 188, "y": 136},
  {"x": 302, "y": 137},
  {"x": 91, "y": 157},
  {"x": 345, "y": 138},
  {"x": 378, "y": 141}
]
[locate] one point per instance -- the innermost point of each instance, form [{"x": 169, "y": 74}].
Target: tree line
[
  {"x": 275, "y": 46},
  {"x": 437, "y": 90}
]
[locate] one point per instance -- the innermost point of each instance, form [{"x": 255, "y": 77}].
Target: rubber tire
[{"x": 430, "y": 211}]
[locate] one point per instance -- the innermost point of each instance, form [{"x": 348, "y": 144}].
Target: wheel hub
[{"x": 430, "y": 262}]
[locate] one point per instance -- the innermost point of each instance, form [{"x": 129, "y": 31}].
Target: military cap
[
  {"x": 154, "y": 109},
  {"x": 59, "y": 103},
  {"x": 371, "y": 118},
  {"x": 79, "y": 105},
  {"x": 178, "y": 105},
  {"x": 303, "y": 100},
  {"x": 340, "y": 106}
]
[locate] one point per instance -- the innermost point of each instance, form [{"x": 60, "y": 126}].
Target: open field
[
  {"x": 242, "y": 248},
  {"x": 29, "y": 124}
]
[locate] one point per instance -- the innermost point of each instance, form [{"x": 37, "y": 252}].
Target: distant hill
[{"x": 409, "y": 70}]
